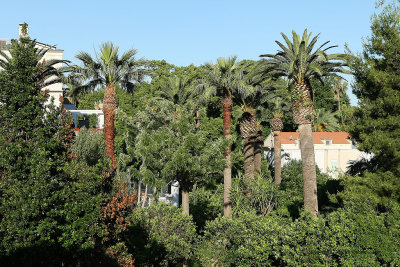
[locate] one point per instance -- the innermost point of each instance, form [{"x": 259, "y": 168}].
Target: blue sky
[{"x": 186, "y": 32}]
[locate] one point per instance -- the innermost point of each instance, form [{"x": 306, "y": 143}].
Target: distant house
[
  {"x": 333, "y": 150},
  {"x": 55, "y": 90}
]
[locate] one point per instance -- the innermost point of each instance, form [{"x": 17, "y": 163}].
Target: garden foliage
[{"x": 61, "y": 205}]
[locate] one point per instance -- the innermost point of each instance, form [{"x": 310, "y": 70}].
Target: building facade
[{"x": 333, "y": 150}]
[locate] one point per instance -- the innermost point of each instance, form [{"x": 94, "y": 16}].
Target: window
[{"x": 328, "y": 142}]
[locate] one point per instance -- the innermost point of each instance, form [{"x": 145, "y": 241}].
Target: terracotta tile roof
[{"x": 336, "y": 137}]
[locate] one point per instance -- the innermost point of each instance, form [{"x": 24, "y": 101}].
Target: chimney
[{"x": 23, "y": 30}]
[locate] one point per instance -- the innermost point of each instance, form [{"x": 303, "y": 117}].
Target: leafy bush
[
  {"x": 161, "y": 235},
  {"x": 290, "y": 203},
  {"x": 247, "y": 240},
  {"x": 365, "y": 237},
  {"x": 343, "y": 238},
  {"x": 258, "y": 194},
  {"x": 205, "y": 205},
  {"x": 89, "y": 146}
]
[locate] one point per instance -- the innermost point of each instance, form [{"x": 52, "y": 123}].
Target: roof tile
[{"x": 336, "y": 137}]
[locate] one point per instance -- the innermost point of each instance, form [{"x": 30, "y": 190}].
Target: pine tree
[{"x": 376, "y": 123}]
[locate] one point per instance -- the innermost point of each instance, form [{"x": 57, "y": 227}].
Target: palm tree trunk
[
  {"x": 309, "y": 173},
  {"x": 248, "y": 149},
  {"x": 277, "y": 156},
  {"x": 227, "y": 109},
  {"x": 248, "y": 130},
  {"x": 109, "y": 107},
  {"x": 258, "y": 152},
  {"x": 185, "y": 202}
]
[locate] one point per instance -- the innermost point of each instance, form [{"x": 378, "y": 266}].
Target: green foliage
[
  {"x": 373, "y": 189},
  {"x": 89, "y": 147},
  {"x": 376, "y": 122},
  {"x": 329, "y": 94},
  {"x": 258, "y": 194},
  {"x": 170, "y": 147},
  {"x": 290, "y": 201},
  {"x": 31, "y": 156},
  {"x": 50, "y": 206},
  {"x": 160, "y": 72},
  {"x": 325, "y": 121},
  {"x": 343, "y": 238},
  {"x": 125, "y": 100},
  {"x": 205, "y": 205},
  {"x": 246, "y": 240},
  {"x": 161, "y": 235},
  {"x": 89, "y": 100},
  {"x": 82, "y": 208}
]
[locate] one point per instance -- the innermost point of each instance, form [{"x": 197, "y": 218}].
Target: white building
[
  {"x": 333, "y": 150},
  {"x": 55, "y": 90}
]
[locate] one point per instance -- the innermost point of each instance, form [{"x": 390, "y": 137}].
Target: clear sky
[{"x": 185, "y": 32}]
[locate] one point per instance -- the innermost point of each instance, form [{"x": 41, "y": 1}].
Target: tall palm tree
[
  {"x": 300, "y": 62},
  {"x": 279, "y": 106},
  {"x": 107, "y": 69},
  {"x": 249, "y": 131},
  {"x": 224, "y": 79},
  {"x": 253, "y": 102}
]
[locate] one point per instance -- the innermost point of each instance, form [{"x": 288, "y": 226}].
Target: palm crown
[
  {"x": 109, "y": 68},
  {"x": 300, "y": 62},
  {"x": 226, "y": 78},
  {"x": 176, "y": 89}
]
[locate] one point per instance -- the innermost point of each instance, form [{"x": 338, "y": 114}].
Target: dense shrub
[
  {"x": 89, "y": 146},
  {"x": 290, "y": 202},
  {"x": 205, "y": 205},
  {"x": 161, "y": 235},
  {"x": 259, "y": 194},
  {"x": 343, "y": 238}
]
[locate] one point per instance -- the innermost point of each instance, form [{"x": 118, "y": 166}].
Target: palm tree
[
  {"x": 176, "y": 90},
  {"x": 249, "y": 131},
  {"x": 257, "y": 102},
  {"x": 252, "y": 103},
  {"x": 299, "y": 62},
  {"x": 339, "y": 89},
  {"x": 325, "y": 121},
  {"x": 279, "y": 107},
  {"x": 223, "y": 79},
  {"x": 108, "y": 69},
  {"x": 72, "y": 87}
]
